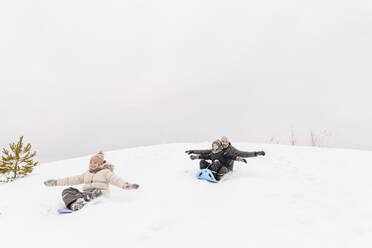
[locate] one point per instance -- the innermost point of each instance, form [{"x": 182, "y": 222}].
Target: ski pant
[
  {"x": 216, "y": 167},
  {"x": 70, "y": 195}
]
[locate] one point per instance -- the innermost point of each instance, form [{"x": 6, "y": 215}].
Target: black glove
[
  {"x": 241, "y": 159},
  {"x": 189, "y": 152},
  {"x": 193, "y": 157},
  {"x": 260, "y": 153},
  {"x": 130, "y": 186},
  {"x": 134, "y": 186}
]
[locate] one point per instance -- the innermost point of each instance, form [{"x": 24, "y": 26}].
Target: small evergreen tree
[{"x": 18, "y": 162}]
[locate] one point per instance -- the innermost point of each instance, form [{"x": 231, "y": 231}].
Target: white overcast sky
[{"x": 78, "y": 76}]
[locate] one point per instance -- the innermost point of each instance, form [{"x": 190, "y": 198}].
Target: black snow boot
[
  {"x": 221, "y": 172},
  {"x": 92, "y": 194},
  {"x": 78, "y": 204}
]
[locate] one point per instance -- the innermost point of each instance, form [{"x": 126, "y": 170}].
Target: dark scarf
[
  {"x": 96, "y": 170},
  {"x": 101, "y": 167}
]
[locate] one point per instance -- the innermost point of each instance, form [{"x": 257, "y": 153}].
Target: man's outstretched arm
[{"x": 245, "y": 154}]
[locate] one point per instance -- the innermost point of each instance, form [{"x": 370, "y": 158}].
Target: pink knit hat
[{"x": 99, "y": 157}]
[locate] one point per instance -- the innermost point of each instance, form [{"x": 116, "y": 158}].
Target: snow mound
[{"x": 293, "y": 197}]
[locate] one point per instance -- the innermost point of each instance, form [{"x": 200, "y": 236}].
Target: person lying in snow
[
  {"x": 219, "y": 158},
  {"x": 230, "y": 150},
  {"x": 96, "y": 182}
]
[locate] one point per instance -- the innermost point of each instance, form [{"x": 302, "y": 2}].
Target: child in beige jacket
[{"x": 96, "y": 182}]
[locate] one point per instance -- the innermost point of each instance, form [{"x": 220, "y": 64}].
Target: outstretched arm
[
  {"x": 230, "y": 156},
  {"x": 200, "y": 156},
  {"x": 238, "y": 158},
  {"x": 67, "y": 181},
  {"x": 119, "y": 182},
  {"x": 199, "y": 151},
  {"x": 244, "y": 154},
  {"x": 71, "y": 180}
]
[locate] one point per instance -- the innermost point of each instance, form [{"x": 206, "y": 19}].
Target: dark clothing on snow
[
  {"x": 219, "y": 165},
  {"x": 222, "y": 157},
  {"x": 230, "y": 151},
  {"x": 71, "y": 195},
  {"x": 216, "y": 167}
]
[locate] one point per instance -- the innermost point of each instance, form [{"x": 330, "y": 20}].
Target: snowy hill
[{"x": 293, "y": 197}]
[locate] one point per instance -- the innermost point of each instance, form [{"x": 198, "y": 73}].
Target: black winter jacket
[
  {"x": 221, "y": 156},
  {"x": 231, "y": 152}
]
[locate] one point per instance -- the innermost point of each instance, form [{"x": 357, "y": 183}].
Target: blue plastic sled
[
  {"x": 64, "y": 211},
  {"x": 207, "y": 175}
]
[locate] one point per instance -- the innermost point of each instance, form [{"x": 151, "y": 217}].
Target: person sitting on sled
[
  {"x": 96, "y": 182},
  {"x": 219, "y": 158},
  {"x": 230, "y": 150}
]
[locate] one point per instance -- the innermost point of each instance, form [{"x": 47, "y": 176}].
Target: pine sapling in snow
[{"x": 18, "y": 161}]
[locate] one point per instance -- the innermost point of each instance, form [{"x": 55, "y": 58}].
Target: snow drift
[{"x": 293, "y": 197}]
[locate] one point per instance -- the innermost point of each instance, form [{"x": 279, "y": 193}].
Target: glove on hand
[
  {"x": 193, "y": 157},
  {"x": 241, "y": 159},
  {"x": 260, "y": 153},
  {"x": 50, "y": 183},
  {"x": 131, "y": 186}
]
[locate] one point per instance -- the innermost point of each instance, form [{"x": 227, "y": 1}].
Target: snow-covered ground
[{"x": 294, "y": 197}]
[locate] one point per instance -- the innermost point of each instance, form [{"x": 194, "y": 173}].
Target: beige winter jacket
[{"x": 100, "y": 180}]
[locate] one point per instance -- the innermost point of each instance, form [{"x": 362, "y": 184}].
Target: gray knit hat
[
  {"x": 217, "y": 142},
  {"x": 225, "y": 139}
]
